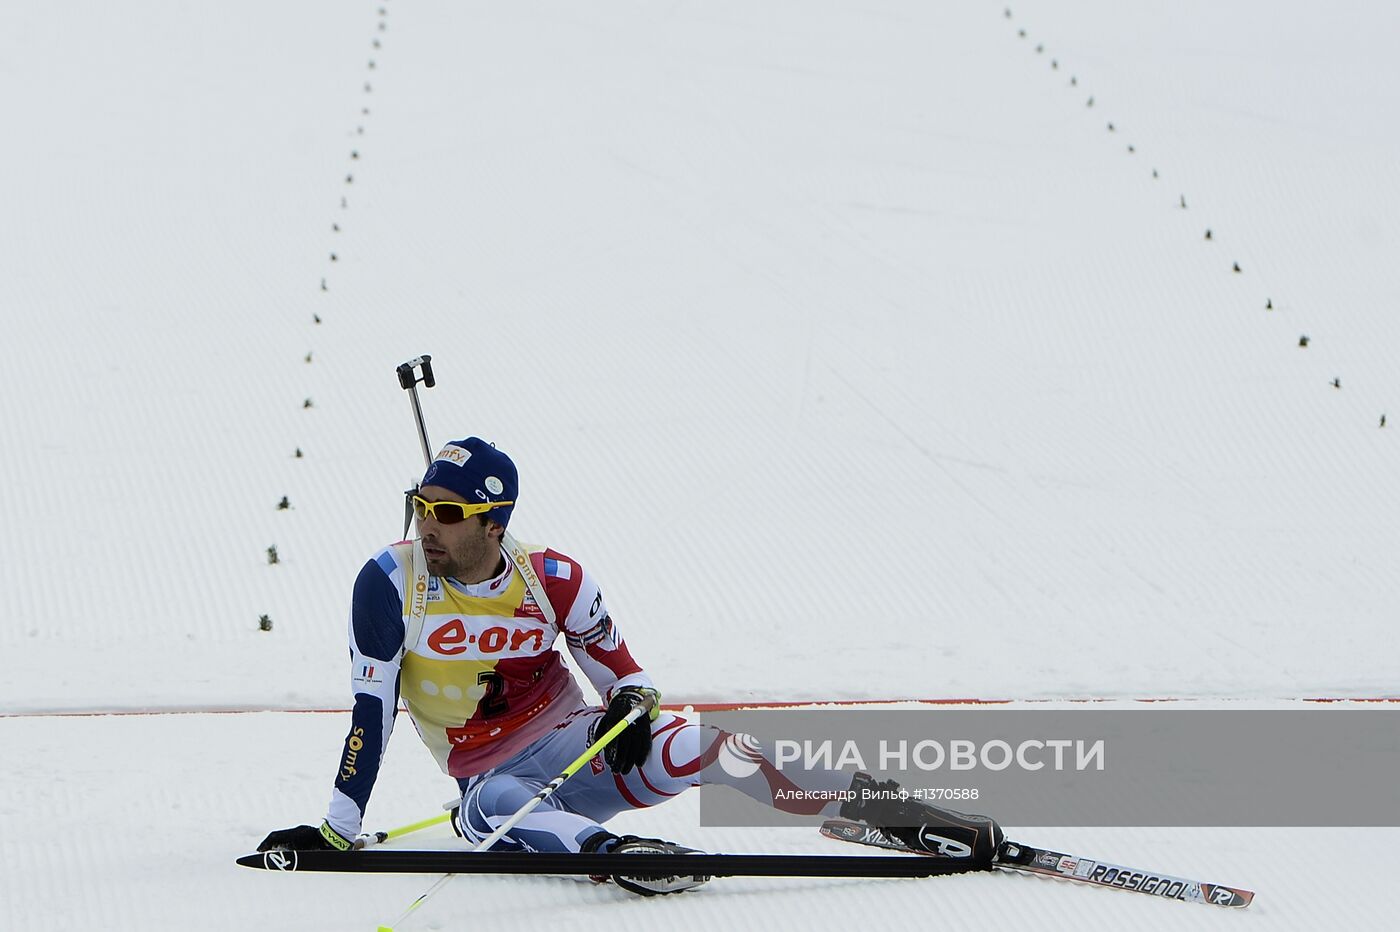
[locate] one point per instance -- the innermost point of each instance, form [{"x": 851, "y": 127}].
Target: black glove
[
  {"x": 632, "y": 747},
  {"x": 307, "y": 838}
]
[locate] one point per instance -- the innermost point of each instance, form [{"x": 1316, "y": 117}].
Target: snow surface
[{"x": 847, "y": 344}]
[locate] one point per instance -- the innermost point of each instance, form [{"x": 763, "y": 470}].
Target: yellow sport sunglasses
[{"x": 450, "y": 512}]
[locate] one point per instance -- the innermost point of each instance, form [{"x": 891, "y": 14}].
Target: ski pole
[
  {"x": 370, "y": 839},
  {"x": 530, "y": 804}
]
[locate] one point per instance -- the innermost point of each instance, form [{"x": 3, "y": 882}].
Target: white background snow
[{"x": 848, "y": 344}]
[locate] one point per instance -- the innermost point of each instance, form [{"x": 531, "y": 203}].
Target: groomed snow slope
[{"x": 863, "y": 351}]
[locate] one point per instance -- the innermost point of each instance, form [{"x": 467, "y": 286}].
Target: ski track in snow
[{"x": 849, "y": 348}]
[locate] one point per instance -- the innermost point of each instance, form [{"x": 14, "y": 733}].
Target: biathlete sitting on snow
[{"x": 467, "y": 644}]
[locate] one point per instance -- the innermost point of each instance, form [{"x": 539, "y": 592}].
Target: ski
[
  {"x": 862, "y": 834},
  {"x": 1020, "y": 857},
  {"x": 1016, "y": 856},
  {"x": 381, "y": 861}
]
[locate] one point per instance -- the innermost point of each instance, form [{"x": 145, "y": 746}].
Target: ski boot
[
  {"x": 642, "y": 884},
  {"x": 917, "y": 826}
]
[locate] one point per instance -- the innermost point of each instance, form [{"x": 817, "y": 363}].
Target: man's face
[{"x": 467, "y": 550}]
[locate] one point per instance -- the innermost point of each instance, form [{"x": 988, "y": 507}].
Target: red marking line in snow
[{"x": 710, "y": 706}]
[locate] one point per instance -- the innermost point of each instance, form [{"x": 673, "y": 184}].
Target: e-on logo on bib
[{"x": 453, "y": 639}]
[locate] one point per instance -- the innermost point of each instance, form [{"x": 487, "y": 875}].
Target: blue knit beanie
[{"x": 478, "y": 472}]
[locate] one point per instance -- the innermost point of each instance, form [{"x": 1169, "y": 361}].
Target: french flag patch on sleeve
[{"x": 557, "y": 568}]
